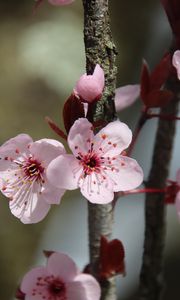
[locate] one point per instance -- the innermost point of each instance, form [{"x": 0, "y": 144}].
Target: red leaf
[
  {"x": 111, "y": 258},
  {"x": 145, "y": 80},
  {"x": 161, "y": 72},
  {"x": 55, "y": 128},
  {"x": 158, "y": 98},
  {"x": 171, "y": 191},
  {"x": 116, "y": 255},
  {"x": 73, "y": 110}
]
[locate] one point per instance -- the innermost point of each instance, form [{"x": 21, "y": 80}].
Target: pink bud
[
  {"x": 176, "y": 62},
  {"x": 60, "y": 2},
  {"x": 90, "y": 87}
]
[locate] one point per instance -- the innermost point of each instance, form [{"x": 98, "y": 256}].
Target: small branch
[
  {"x": 143, "y": 191},
  {"x": 100, "y": 49},
  {"x": 163, "y": 117},
  {"x": 151, "y": 278}
]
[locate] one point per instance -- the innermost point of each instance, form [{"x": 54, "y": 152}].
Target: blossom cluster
[{"x": 35, "y": 175}]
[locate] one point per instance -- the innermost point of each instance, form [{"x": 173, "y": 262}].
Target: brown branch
[
  {"x": 100, "y": 49},
  {"x": 151, "y": 277}
]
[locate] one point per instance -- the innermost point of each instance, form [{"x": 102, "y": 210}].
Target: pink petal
[
  {"x": 176, "y": 62},
  {"x": 126, "y": 96},
  {"x": 63, "y": 172},
  {"x": 31, "y": 210},
  {"x": 60, "y": 264},
  {"x": 12, "y": 148},
  {"x": 113, "y": 139},
  {"x": 20, "y": 141},
  {"x": 96, "y": 189},
  {"x": 84, "y": 287},
  {"x": 90, "y": 87},
  {"x": 129, "y": 174},
  {"x": 52, "y": 194},
  {"x": 30, "y": 279},
  {"x": 46, "y": 150},
  {"x": 99, "y": 77},
  {"x": 80, "y": 136},
  {"x": 34, "y": 297},
  {"x": 60, "y": 2},
  {"x": 178, "y": 176},
  {"x": 177, "y": 203}
]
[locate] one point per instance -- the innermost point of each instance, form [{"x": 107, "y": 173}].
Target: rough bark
[
  {"x": 99, "y": 48},
  {"x": 151, "y": 277}
]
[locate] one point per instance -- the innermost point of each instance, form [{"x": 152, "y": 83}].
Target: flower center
[
  {"x": 33, "y": 169},
  {"x": 49, "y": 288},
  {"x": 57, "y": 288},
  {"x": 91, "y": 163}
]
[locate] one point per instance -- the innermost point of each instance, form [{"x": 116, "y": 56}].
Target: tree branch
[
  {"x": 151, "y": 278},
  {"x": 100, "y": 49}
]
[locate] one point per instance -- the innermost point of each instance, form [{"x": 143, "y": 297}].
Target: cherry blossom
[
  {"x": 23, "y": 165},
  {"x": 97, "y": 165},
  {"x": 126, "y": 96},
  {"x": 90, "y": 87},
  {"x": 176, "y": 62},
  {"x": 60, "y": 2},
  {"x": 59, "y": 280},
  {"x": 177, "y": 200}
]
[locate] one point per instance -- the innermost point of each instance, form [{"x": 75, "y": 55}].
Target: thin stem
[
  {"x": 163, "y": 117},
  {"x": 144, "y": 191}
]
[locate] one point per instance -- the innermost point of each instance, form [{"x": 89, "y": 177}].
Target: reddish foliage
[
  {"x": 111, "y": 258},
  {"x": 171, "y": 191},
  {"x": 55, "y": 128},
  {"x": 73, "y": 110},
  {"x": 151, "y": 83}
]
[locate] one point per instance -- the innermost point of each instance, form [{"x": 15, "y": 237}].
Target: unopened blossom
[
  {"x": 176, "y": 62},
  {"x": 90, "y": 87},
  {"x": 59, "y": 280},
  {"x": 97, "y": 165},
  {"x": 177, "y": 200},
  {"x": 23, "y": 165},
  {"x": 60, "y": 2},
  {"x": 126, "y": 96}
]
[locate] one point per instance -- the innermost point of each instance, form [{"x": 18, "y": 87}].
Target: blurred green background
[{"x": 41, "y": 57}]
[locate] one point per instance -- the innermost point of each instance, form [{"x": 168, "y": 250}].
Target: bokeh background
[{"x": 41, "y": 57}]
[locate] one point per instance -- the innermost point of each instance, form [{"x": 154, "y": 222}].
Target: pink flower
[
  {"x": 59, "y": 280},
  {"x": 90, "y": 87},
  {"x": 97, "y": 165},
  {"x": 60, "y": 2},
  {"x": 176, "y": 62},
  {"x": 126, "y": 96},
  {"x": 23, "y": 165},
  {"x": 177, "y": 200}
]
